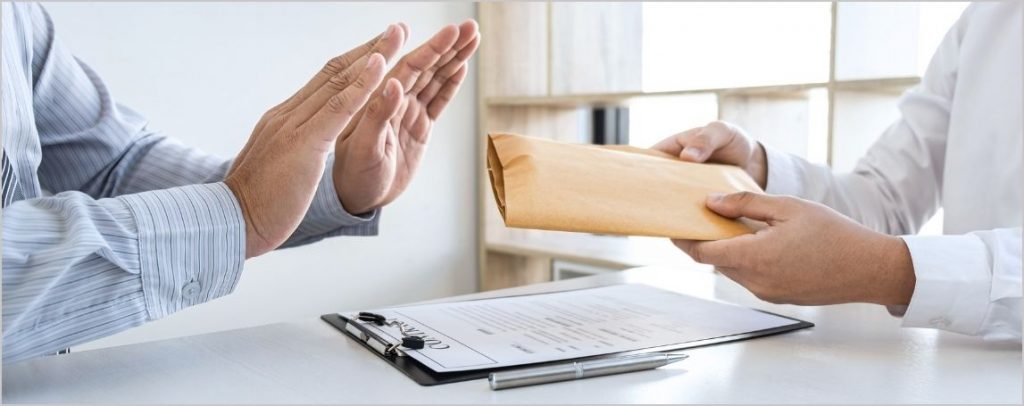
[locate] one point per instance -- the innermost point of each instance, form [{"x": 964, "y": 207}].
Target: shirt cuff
[
  {"x": 783, "y": 173},
  {"x": 191, "y": 245},
  {"x": 953, "y": 283}
]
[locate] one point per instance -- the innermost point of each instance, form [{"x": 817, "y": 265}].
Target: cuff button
[
  {"x": 191, "y": 290},
  {"x": 939, "y": 322}
]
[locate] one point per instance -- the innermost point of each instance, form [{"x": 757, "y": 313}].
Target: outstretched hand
[
  {"x": 809, "y": 254},
  {"x": 379, "y": 151}
]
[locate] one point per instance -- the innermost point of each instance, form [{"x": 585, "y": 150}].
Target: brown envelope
[{"x": 550, "y": 185}]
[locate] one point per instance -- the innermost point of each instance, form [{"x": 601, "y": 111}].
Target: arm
[
  {"x": 967, "y": 283},
  {"x": 77, "y": 268},
  {"x": 964, "y": 283},
  {"x": 114, "y": 153}
]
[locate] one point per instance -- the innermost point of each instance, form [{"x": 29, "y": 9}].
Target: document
[
  {"x": 493, "y": 333},
  {"x": 549, "y": 185}
]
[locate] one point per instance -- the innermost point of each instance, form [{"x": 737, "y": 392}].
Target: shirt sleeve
[
  {"x": 895, "y": 188},
  {"x": 140, "y": 225},
  {"x": 77, "y": 268},
  {"x": 965, "y": 283}
]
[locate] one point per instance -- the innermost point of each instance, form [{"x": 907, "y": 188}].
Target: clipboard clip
[{"x": 378, "y": 343}]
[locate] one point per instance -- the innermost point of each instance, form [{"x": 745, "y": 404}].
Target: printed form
[{"x": 492, "y": 333}]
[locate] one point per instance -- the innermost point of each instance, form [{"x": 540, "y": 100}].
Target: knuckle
[
  {"x": 696, "y": 252},
  {"x": 335, "y": 65},
  {"x": 717, "y": 125},
  {"x": 745, "y": 197},
  {"x": 362, "y": 82},
  {"x": 338, "y": 82},
  {"x": 375, "y": 108},
  {"x": 790, "y": 202},
  {"x": 342, "y": 103}
]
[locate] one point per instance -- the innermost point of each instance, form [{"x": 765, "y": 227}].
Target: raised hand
[
  {"x": 276, "y": 174},
  {"x": 379, "y": 151}
]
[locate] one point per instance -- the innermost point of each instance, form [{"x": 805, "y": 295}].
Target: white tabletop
[{"x": 854, "y": 354}]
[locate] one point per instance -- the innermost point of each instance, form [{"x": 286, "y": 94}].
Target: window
[{"x": 766, "y": 67}]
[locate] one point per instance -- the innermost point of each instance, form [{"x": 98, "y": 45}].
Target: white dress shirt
[{"x": 958, "y": 145}]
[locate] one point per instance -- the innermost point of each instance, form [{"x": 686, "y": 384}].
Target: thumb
[{"x": 751, "y": 205}]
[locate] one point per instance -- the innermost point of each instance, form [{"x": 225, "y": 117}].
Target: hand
[
  {"x": 809, "y": 254},
  {"x": 719, "y": 142},
  {"x": 276, "y": 174},
  {"x": 379, "y": 151}
]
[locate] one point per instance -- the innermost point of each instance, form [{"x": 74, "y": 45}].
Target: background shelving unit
[{"x": 543, "y": 65}]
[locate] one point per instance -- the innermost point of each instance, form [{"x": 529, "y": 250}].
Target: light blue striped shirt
[{"x": 106, "y": 223}]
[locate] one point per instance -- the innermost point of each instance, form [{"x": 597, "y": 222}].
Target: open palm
[{"x": 375, "y": 159}]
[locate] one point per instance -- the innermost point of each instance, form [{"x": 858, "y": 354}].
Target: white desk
[{"x": 855, "y": 354}]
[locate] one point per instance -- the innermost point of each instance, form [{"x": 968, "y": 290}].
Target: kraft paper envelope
[{"x": 550, "y": 185}]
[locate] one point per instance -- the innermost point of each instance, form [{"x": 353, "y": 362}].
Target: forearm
[
  {"x": 156, "y": 162},
  {"x": 76, "y": 269},
  {"x": 895, "y": 200}
]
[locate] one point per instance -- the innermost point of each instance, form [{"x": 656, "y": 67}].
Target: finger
[
  {"x": 468, "y": 30},
  {"x": 705, "y": 251},
  {"x": 724, "y": 253},
  {"x": 371, "y": 132},
  {"x": 387, "y": 44},
  {"x": 419, "y": 60},
  {"x": 751, "y": 205},
  {"x": 326, "y": 124},
  {"x": 334, "y": 85},
  {"x": 446, "y": 93},
  {"x": 699, "y": 146},
  {"x": 449, "y": 63},
  {"x": 445, "y": 73},
  {"x": 672, "y": 145}
]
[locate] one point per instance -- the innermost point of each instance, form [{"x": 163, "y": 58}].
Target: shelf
[
  {"x": 893, "y": 84},
  {"x": 600, "y": 250}
]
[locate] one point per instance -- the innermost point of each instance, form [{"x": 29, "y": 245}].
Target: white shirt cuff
[
  {"x": 953, "y": 283},
  {"x": 783, "y": 173}
]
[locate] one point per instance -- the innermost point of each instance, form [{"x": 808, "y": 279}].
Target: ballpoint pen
[{"x": 581, "y": 370}]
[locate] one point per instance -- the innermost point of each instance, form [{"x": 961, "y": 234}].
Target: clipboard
[{"x": 425, "y": 376}]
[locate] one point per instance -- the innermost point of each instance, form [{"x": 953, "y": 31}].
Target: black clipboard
[{"x": 425, "y": 376}]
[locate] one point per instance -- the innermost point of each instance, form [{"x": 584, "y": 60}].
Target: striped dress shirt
[{"x": 106, "y": 223}]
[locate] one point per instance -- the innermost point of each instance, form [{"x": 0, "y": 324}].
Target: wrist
[
  {"x": 757, "y": 165},
  {"x": 347, "y": 202},
  {"x": 894, "y": 281},
  {"x": 254, "y": 245}
]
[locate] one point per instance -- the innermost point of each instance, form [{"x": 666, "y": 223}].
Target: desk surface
[{"x": 855, "y": 354}]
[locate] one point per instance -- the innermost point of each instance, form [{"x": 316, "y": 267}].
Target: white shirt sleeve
[{"x": 968, "y": 283}]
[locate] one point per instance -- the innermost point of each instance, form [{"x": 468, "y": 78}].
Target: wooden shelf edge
[
  {"x": 529, "y": 251},
  {"x": 619, "y": 98}
]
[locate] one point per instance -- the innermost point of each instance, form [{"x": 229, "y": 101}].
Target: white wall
[{"x": 204, "y": 73}]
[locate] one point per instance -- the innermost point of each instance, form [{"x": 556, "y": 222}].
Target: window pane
[
  {"x": 710, "y": 45},
  {"x": 860, "y": 118},
  {"x": 793, "y": 123},
  {"x": 651, "y": 119},
  {"x": 889, "y": 39}
]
